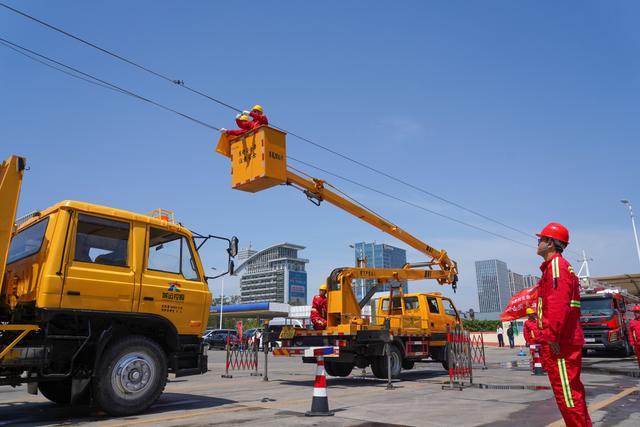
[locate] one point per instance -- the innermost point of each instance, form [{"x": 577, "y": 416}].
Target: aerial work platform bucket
[{"x": 258, "y": 158}]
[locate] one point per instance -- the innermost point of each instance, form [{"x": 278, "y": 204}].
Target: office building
[
  {"x": 516, "y": 282},
  {"x": 492, "y": 277},
  {"x": 377, "y": 255},
  {"x": 274, "y": 274},
  {"x": 530, "y": 280}
]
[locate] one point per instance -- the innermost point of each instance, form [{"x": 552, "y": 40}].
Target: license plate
[
  {"x": 589, "y": 340},
  {"x": 287, "y": 333}
]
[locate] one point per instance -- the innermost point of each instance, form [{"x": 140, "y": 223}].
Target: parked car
[
  {"x": 254, "y": 334},
  {"x": 218, "y": 338}
]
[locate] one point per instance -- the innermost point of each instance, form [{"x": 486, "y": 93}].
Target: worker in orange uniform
[
  {"x": 532, "y": 335},
  {"x": 243, "y": 122},
  {"x": 319, "y": 309},
  {"x": 634, "y": 332},
  {"x": 559, "y": 322},
  {"x": 531, "y": 330},
  {"x": 258, "y": 116}
]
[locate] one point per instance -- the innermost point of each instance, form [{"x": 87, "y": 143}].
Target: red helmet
[
  {"x": 555, "y": 230},
  {"x": 636, "y": 308}
]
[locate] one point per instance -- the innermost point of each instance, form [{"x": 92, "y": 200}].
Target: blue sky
[{"x": 525, "y": 111}]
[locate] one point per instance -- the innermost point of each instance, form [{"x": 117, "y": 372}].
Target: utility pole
[
  {"x": 221, "y": 301},
  {"x": 585, "y": 265},
  {"x": 633, "y": 224}
]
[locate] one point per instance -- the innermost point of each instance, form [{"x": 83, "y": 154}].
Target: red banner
[
  {"x": 239, "y": 328},
  {"x": 518, "y": 304}
]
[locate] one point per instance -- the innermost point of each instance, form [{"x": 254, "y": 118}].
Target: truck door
[
  {"x": 451, "y": 314},
  {"x": 411, "y": 319},
  {"x": 171, "y": 285},
  {"x": 437, "y": 323},
  {"x": 99, "y": 275}
]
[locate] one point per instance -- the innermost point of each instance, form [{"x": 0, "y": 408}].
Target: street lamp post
[
  {"x": 633, "y": 224},
  {"x": 221, "y": 301}
]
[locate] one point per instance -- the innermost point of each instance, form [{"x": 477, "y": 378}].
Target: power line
[
  {"x": 415, "y": 205},
  {"x": 107, "y": 85},
  {"x": 95, "y": 79},
  {"x": 218, "y": 101}
]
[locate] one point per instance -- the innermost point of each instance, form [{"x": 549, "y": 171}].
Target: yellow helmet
[
  {"x": 531, "y": 311},
  {"x": 243, "y": 117},
  {"x": 323, "y": 287},
  {"x": 258, "y": 107}
]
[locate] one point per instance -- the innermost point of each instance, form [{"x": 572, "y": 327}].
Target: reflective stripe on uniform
[
  {"x": 540, "y": 312},
  {"x": 555, "y": 268},
  {"x": 574, "y": 303},
  {"x": 564, "y": 380}
]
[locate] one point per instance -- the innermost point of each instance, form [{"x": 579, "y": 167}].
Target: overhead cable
[{"x": 182, "y": 84}]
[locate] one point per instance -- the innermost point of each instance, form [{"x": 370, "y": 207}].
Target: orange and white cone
[
  {"x": 320, "y": 402},
  {"x": 536, "y": 362}
]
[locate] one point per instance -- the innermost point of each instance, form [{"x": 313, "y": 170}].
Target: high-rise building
[
  {"x": 530, "y": 280},
  {"x": 492, "y": 277},
  {"x": 274, "y": 274},
  {"x": 516, "y": 282},
  {"x": 378, "y": 255}
]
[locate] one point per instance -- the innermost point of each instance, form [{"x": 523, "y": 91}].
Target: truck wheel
[
  {"x": 408, "y": 364},
  {"x": 56, "y": 391},
  {"x": 336, "y": 369},
  {"x": 131, "y": 376},
  {"x": 379, "y": 364}
]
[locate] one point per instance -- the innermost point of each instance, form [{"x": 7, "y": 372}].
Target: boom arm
[{"x": 315, "y": 189}]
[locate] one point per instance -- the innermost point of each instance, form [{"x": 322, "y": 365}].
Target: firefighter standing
[
  {"x": 634, "y": 332},
  {"x": 531, "y": 330},
  {"x": 319, "y": 309},
  {"x": 559, "y": 322}
]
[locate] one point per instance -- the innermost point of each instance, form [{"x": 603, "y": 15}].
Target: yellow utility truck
[
  {"x": 98, "y": 304},
  {"x": 413, "y": 327}
]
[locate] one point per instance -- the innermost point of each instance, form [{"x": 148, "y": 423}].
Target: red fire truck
[{"x": 604, "y": 318}]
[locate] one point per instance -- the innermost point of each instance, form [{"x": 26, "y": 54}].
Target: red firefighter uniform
[
  {"x": 531, "y": 332},
  {"x": 243, "y": 123},
  {"x": 559, "y": 322},
  {"x": 634, "y": 332},
  {"x": 319, "y": 312},
  {"x": 258, "y": 116}
]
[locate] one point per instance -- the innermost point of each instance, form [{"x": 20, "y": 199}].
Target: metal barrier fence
[
  {"x": 242, "y": 355},
  {"x": 478, "y": 358},
  {"x": 459, "y": 359}
]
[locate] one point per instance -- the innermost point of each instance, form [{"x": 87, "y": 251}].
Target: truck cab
[
  {"x": 604, "y": 322},
  {"x": 98, "y": 303}
]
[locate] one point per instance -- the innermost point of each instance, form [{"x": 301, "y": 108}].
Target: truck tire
[
  {"x": 408, "y": 364},
  {"x": 56, "y": 391},
  {"x": 379, "y": 364},
  {"x": 336, "y": 369},
  {"x": 131, "y": 376}
]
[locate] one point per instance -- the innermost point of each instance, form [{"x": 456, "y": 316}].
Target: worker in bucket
[
  {"x": 559, "y": 321},
  {"x": 243, "y": 122},
  {"x": 634, "y": 332},
  {"x": 319, "y": 309},
  {"x": 258, "y": 116}
]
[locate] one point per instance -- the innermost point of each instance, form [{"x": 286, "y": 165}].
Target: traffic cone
[
  {"x": 536, "y": 362},
  {"x": 320, "y": 402}
]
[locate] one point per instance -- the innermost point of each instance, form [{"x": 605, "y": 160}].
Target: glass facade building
[
  {"x": 274, "y": 274},
  {"x": 492, "y": 277},
  {"x": 378, "y": 255},
  {"x": 516, "y": 282}
]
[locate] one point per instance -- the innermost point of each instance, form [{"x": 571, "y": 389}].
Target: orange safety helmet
[
  {"x": 555, "y": 230},
  {"x": 636, "y": 308}
]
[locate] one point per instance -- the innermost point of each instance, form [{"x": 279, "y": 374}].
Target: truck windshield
[
  {"x": 596, "y": 306},
  {"x": 28, "y": 241}
]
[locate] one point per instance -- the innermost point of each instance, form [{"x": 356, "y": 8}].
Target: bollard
[{"x": 320, "y": 402}]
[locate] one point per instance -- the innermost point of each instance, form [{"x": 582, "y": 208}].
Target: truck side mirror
[
  {"x": 233, "y": 247},
  {"x": 231, "y": 267}
]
